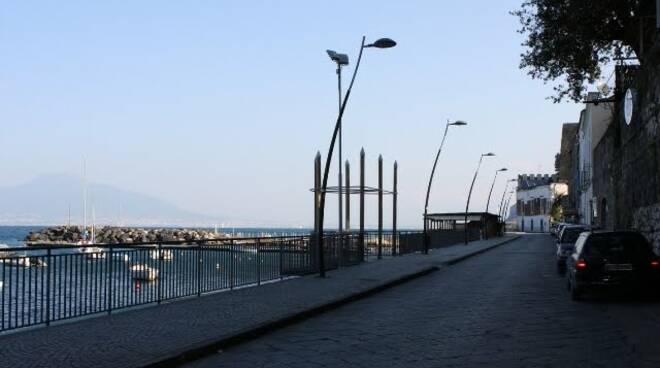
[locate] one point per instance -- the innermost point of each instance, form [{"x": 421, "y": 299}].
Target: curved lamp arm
[{"x": 328, "y": 160}]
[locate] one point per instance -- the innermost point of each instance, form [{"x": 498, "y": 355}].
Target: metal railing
[{"x": 41, "y": 284}]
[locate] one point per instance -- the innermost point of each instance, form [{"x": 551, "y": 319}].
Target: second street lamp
[
  {"x": 340, "y": 60},
  {"x": 488, "y": 201},
  {"x": 493, "y": 186},
  {"x": 467, "y": 206},
  {"x": 428, "y": 190},
  {"x": 506, "y": 187},
  {"x": 381, "y": 44}
]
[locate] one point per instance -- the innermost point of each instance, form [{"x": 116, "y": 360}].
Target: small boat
[
  {"x": 142, "y": 272},
  {"x": 120, "y": 257},
  {"x": 94, "y": 252},
  {"x": 25, "y": 262},
  {"x": 6, "y": 253},
  {"x": 165, "y": 254}
]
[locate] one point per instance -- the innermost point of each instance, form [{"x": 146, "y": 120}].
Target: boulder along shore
[{"x": 114, "y": 235}]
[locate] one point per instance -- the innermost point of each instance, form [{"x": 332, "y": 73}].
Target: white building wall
[
  {"x": 594, "y": 120},
  {"x": 540, "y": 222}
]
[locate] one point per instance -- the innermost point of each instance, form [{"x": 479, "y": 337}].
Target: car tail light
[
  {"x": 581, "y": 264},
  {"x": 655, "y": 264}
]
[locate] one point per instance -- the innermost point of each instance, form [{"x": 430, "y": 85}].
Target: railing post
[
  {"x": 48, "y": 267},
  {"x": 257, "y": 262},
  {"x": 319, "y": 255},
  {"x": 361, "y": 239},
  {"x": 160, "y": 272},
  {"x": 109, "y": 281},
  {"x": 380, "y": 207},
  {"x": 231, "y": 265},
  {"x": 347, "y": 224},
  {"x": 394, "y": 194},
  {"x": 281, "y": 259},
  {"x": 199, "y": 269}
]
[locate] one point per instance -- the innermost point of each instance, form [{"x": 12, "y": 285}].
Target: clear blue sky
[{"x": 220, "y": 106}]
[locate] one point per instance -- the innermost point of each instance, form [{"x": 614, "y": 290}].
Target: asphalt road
[{"x": 506, "y": 308}]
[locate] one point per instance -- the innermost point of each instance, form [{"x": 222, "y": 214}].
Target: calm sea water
[{"x": 15, "y": 235}]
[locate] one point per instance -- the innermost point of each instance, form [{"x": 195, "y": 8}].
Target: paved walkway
[{"x": 154, "y": 334}]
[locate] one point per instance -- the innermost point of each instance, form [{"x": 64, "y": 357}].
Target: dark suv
[{"x": 611, "y": 259}]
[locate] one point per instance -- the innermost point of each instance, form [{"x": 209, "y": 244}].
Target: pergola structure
[{"x": 361, "y": 190}]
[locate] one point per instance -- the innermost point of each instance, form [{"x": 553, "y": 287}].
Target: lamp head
[
  {"x": 503, "y": 169},
  {"x": 382, "y": 43},
  {"x": 489, "y": 154},
  {"x": 459, "y": 123},
  {"x": 603, "y": 88},
  {"x": 340, "y": 59}
]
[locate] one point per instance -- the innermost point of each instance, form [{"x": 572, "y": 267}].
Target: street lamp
[
  {"x": 467, "y": 206},
  {"x": 381, "y": 44},
  {"x": 428, "y": 190},
  {"x": 340, "y": 60},
  {"x": 505, "y": 210},
  {"x": 493, "y": 186},
  {"x": 488, "y": 201},
  {"x": 503, "y": 195}
]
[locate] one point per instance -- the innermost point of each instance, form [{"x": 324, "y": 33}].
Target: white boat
[
  {"x": 120, "y": 257},
  {"x": 5, "y": 253},
  {"x": 142, "y": 272},
  {"x": 93, "y": 252},
  {"x": 165, "y": 254},
  {"x": 25, "y": 262}
]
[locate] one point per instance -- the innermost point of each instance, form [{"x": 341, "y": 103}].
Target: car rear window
[
  {"x": 570, "y": 235},
  {"x": 619, "y": 245}
]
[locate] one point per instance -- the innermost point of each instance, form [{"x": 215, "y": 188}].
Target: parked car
[
  {"x": 566, "y": 243},
  {"x": 612, "y": 259}
]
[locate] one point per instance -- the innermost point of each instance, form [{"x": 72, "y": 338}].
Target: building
[
  {"x": 565, "y": 164},
  {"x": 535, "y": 197},
  {"x": 594, "y": 120}
]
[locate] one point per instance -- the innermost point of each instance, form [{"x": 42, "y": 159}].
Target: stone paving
[
  {"x": 149, "y": 335},
  {"x": 506, "y": 308}
]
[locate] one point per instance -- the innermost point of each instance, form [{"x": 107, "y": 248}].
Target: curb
[
  {"x": 207, "y": 349},
  {"x": 463, "y": 258},
  {"x": 217, "y": 345}
]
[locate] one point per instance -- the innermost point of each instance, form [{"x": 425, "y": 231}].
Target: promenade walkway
[{"x": 183, "y": 329}]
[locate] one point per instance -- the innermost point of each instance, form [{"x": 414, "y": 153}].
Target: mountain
[{"x": 46, "y": 199}]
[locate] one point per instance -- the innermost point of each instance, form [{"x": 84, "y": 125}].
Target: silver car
[{"x": 566, "y": 243}]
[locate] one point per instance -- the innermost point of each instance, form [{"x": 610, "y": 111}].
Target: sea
[{"x": 14, "y": 236}]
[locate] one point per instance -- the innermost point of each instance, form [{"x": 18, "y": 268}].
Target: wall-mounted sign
[{"x": 628, "y": 106}]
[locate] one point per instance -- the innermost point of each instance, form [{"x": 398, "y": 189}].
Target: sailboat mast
[
  {"x": 93, "y": 222},
  {"x": 84, "y": 200}
]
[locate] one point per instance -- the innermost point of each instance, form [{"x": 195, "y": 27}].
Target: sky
[{"x": 219, "y": 107}]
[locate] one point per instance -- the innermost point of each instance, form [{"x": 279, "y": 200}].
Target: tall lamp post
[
  {"x": 382, "y": 43},
  {"x": 500, "y": 211},
  {"x": 467, "y": 206},
  {"x": 505, "y": 210},
  {"x": 506, "y": 187},
  {"x": 488, "y": 201},
  {"x": 341, "y": 60},
  {"x": 428, "y": 190},
  {"x": 493, "y": 186}
]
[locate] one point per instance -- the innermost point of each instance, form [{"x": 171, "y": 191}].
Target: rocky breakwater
[{"x": 115, "y": 235}]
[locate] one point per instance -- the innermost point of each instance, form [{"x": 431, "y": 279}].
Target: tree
[
  {"x": 573, "y": 39},
  {"x": 557, "y": 211}
]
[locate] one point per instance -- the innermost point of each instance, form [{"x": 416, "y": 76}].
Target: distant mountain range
[{"x": 46, "y": 201}]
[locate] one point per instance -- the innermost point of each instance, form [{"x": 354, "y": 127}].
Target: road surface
[{"x": 506, "y": 308}]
